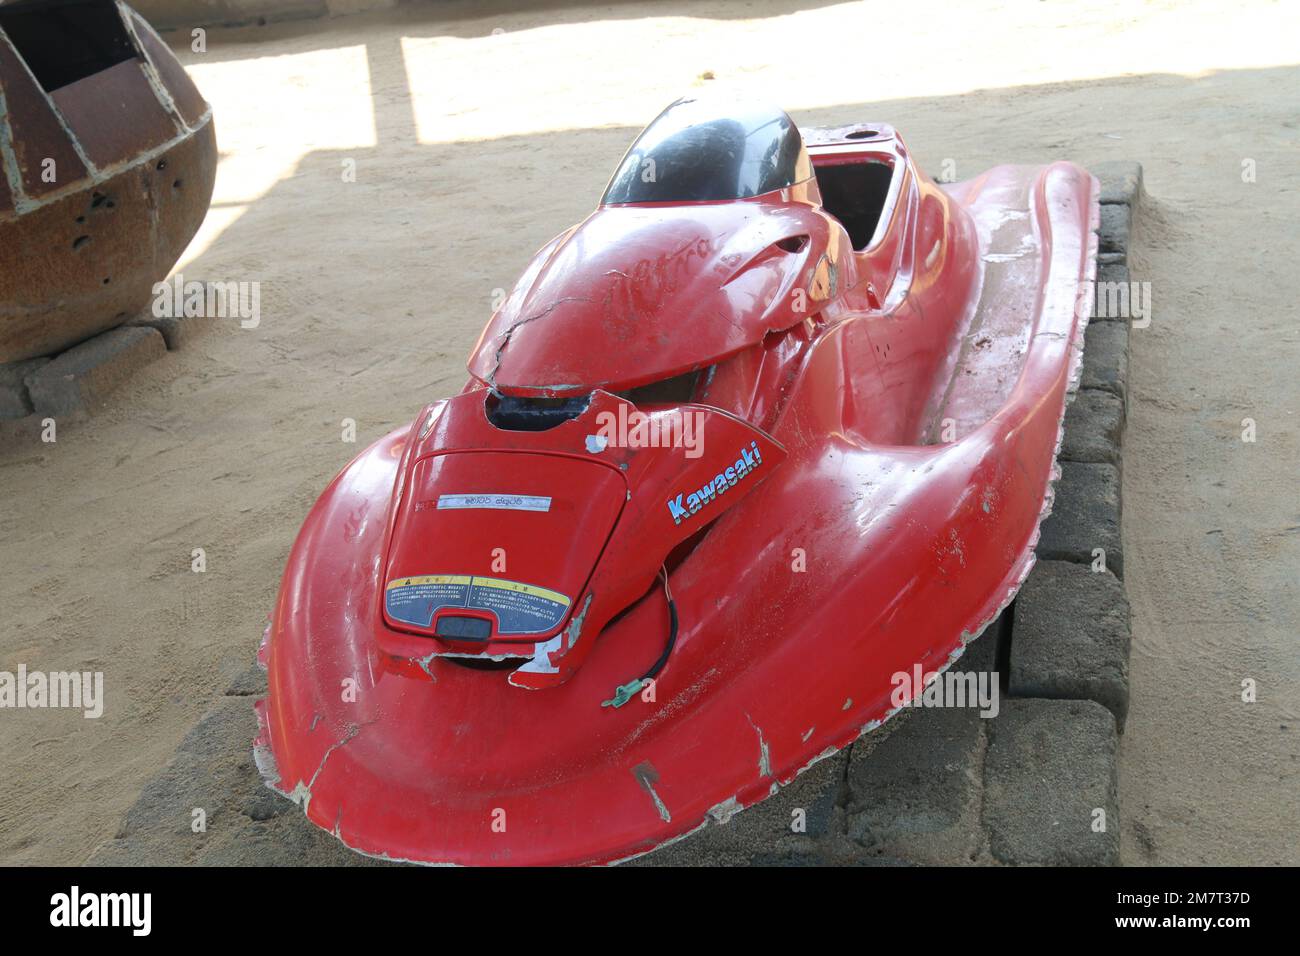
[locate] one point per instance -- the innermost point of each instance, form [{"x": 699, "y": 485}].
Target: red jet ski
[{"x": 775, "y": 423}]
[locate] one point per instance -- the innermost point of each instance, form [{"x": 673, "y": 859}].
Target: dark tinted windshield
[{"x": 698, "y": 150}]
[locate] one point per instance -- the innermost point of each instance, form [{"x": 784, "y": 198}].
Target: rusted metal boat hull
[{"x": 103, "y": 183}]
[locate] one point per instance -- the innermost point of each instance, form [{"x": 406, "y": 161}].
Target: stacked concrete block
[{"x": 79, "y": 379}]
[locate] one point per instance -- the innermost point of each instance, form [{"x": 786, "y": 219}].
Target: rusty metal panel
[
  {"x": 86, "y": 262},
  {"x": 6, "y": 193},
  {"x": 189, "y": 103},
  {"x": 115, "y": 114},
  {"x": 37, "y": 132}
]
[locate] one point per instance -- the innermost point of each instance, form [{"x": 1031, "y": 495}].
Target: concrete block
[
  {"x": 1049, "y": 775},
  {"x": 1121, "y": 181},
  {"x": 176, "y": 332},
  {"x": 981, "y": 653},
  {"x": 14, "y": 400},
  {"x": 80, "y": 378},
  {"x": 1070, "y": 640},
  {"x": 1113, "y": 272},
  {"x": 1116, "y": 223},
  {"x": 1115, "y": 299},
  {"x": 1105, "y": 358},
  {"x": 1094, "y": 427},
  {"x": 915, "y": 797},
  {"x": 762, "y": 833},
  {"x": 1085, "y": 515}
]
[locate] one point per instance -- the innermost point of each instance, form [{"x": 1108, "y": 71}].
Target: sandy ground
[{"x": 472, "y": 147}]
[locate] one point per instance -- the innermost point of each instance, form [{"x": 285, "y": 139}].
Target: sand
[{"x": 472, "y": 148}]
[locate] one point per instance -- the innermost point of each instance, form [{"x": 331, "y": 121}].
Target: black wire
[
  {"x": 625, "y": 692},
  {"x": 672, "y": 637}
]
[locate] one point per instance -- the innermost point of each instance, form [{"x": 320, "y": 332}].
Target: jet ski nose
[{"x": 496, "y": 546}]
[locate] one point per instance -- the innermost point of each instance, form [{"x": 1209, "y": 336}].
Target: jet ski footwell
[{"x": 854, "y": 561}]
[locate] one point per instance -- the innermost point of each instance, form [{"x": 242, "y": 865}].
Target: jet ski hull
[{"x": 859, "y": 558}]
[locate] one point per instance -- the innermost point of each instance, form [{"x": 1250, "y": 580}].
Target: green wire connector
[{"x": 625, "y": 693}]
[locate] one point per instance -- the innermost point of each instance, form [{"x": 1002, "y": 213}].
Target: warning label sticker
[
  {"x": 519, "y": 608},
  {"x": 498, "y": 502}
]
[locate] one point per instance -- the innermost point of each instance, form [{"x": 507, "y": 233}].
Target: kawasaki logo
[{"x": 724, "y": 481}]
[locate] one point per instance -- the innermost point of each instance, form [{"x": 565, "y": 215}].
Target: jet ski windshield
[{"x": 694, "y": 153}]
